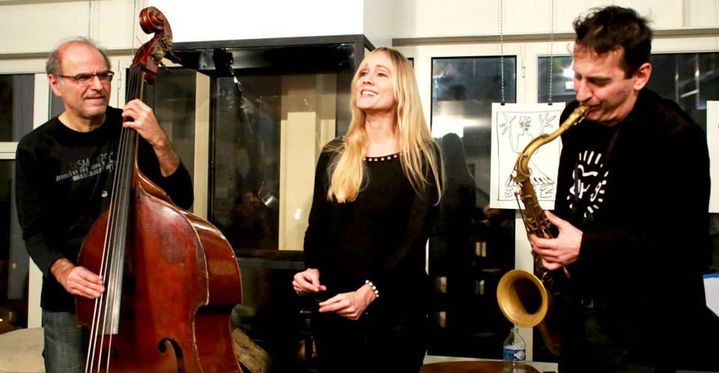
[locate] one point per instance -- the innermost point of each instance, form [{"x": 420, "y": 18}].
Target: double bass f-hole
[{"x": 171, "y": 278}]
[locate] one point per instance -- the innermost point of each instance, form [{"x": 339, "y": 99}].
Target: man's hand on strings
[{"x": 77, "y": 280}]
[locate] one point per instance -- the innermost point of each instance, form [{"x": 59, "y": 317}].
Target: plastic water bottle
[{"x": 514, "y": 350}]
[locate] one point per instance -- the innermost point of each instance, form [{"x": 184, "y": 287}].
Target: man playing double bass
[{"x": 64, "y": 178}]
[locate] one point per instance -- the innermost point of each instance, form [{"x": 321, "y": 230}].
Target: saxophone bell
[{"x": 522, "y": 298}]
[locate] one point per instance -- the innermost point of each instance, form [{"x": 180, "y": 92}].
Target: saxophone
[{"x": 523, "y": 297}]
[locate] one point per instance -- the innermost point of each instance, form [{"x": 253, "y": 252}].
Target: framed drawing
[{"x": 513, "y": 127}]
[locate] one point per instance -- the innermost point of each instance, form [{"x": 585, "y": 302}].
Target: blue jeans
[{"x": 64, "y": 351}]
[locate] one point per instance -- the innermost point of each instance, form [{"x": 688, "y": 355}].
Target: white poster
[
  {"x": 513, "y": 127},
  {"x": 713, "y": 142}
]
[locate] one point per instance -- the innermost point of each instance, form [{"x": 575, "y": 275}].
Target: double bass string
[
  {"x": 100, "y": 312},
  {"x": 106, "y": 313}
]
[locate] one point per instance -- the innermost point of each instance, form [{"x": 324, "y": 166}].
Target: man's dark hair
[
  {"x": 53, "y": 63},
  {"x": 606, "y": 29}
]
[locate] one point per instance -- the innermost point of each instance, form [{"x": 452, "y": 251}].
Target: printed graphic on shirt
[
  {"x": 589, "y": 180},
  {"x": 87, "y": 167}
]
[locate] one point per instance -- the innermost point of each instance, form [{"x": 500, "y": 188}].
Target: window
[
  {"x": 690, "y": 79},
  {"x": 16, "y": 103},
  {"x": 471, "y": 245},
  {"x": 16, "y": 120},
  {"x": 562, "y": 80}
]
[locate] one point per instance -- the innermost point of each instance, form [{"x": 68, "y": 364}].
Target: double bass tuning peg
[{"x": 170, "y": 55}]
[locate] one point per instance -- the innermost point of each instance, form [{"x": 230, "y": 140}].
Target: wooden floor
[{"x": 475, "y": 367}]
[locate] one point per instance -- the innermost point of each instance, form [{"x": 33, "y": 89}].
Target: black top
[
  {"x": 63, "y": 183},
  {"x": 639, "y": 191},
  {"x": 380, "y": 236}
]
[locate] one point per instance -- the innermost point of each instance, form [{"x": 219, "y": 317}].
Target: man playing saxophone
[{"x": 632, "y": 213}]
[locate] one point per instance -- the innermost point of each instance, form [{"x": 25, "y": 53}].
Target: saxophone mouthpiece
[{"x": 581, "y": 111}]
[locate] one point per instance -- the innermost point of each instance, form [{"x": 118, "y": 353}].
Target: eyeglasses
[{"x": 85, "y": 78}]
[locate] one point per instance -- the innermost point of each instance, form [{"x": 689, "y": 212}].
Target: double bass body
[
  {"x": 171, "y": 278},
  {"x": 180, "y": 283}
]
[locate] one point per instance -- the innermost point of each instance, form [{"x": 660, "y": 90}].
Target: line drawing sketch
[{"x": 514, "y": 126}]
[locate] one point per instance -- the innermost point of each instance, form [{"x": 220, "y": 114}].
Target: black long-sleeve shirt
[
  {"x": 380, "y": 236},
  {"x": 63, "y": 183},
  {"x": 639, "y": 191}
]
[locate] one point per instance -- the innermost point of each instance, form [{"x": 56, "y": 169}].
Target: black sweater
[
  {"x": 380, "y": 236},
  {"x": 639, "y": 191},
  {"x": 63, "y": 183}
]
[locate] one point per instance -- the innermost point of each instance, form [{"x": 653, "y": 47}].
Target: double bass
[{"x": 171, "y": 278}]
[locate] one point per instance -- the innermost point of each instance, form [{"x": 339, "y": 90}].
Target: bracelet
[{"x": 374, "y": 288}]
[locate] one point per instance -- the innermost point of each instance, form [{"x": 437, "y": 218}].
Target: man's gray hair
[{"x": 54, "y": 61}]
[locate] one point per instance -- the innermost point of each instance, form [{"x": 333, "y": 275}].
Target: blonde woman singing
[{"x": 375, "y": 195}]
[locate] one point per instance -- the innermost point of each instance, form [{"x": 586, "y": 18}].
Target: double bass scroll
[{"x": 171, "y": 277}]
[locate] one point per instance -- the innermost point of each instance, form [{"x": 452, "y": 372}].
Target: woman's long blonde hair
[{"x": 418, "y": 150}]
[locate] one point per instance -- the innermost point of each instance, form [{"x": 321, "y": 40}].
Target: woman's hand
[
  {"x": 349, "y": 305},
  {"x": 307, "y": 281}
]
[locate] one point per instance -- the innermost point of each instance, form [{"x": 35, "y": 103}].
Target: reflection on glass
[
  {"x": 690, "y": 79},
  {"x": 562, "y": 88},
  {"x": 13, "y": 257},
  {"x": 172, "y": 96},
  {"x": 471, "y": 245},
  {"x": 246, "y": 147},
  {"x": 271, "y": 110},
  {"x": 16, "y": 105},
  {"x": 266, "y": 138}
]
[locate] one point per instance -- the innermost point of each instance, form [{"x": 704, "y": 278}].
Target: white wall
[
  {"x": 37, "y": 26},
  {"x": 380, "y": 18},
  {"x": 482, "y": 17},
  {"x": 238, "y": 20}
]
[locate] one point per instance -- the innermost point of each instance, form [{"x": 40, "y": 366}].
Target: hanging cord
[
  {"x": 501, "y": 48},
  {"x": 133, "y": 22},
  {"x": 89, "y": 19},
  {"x": 551, "y": 55}
]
